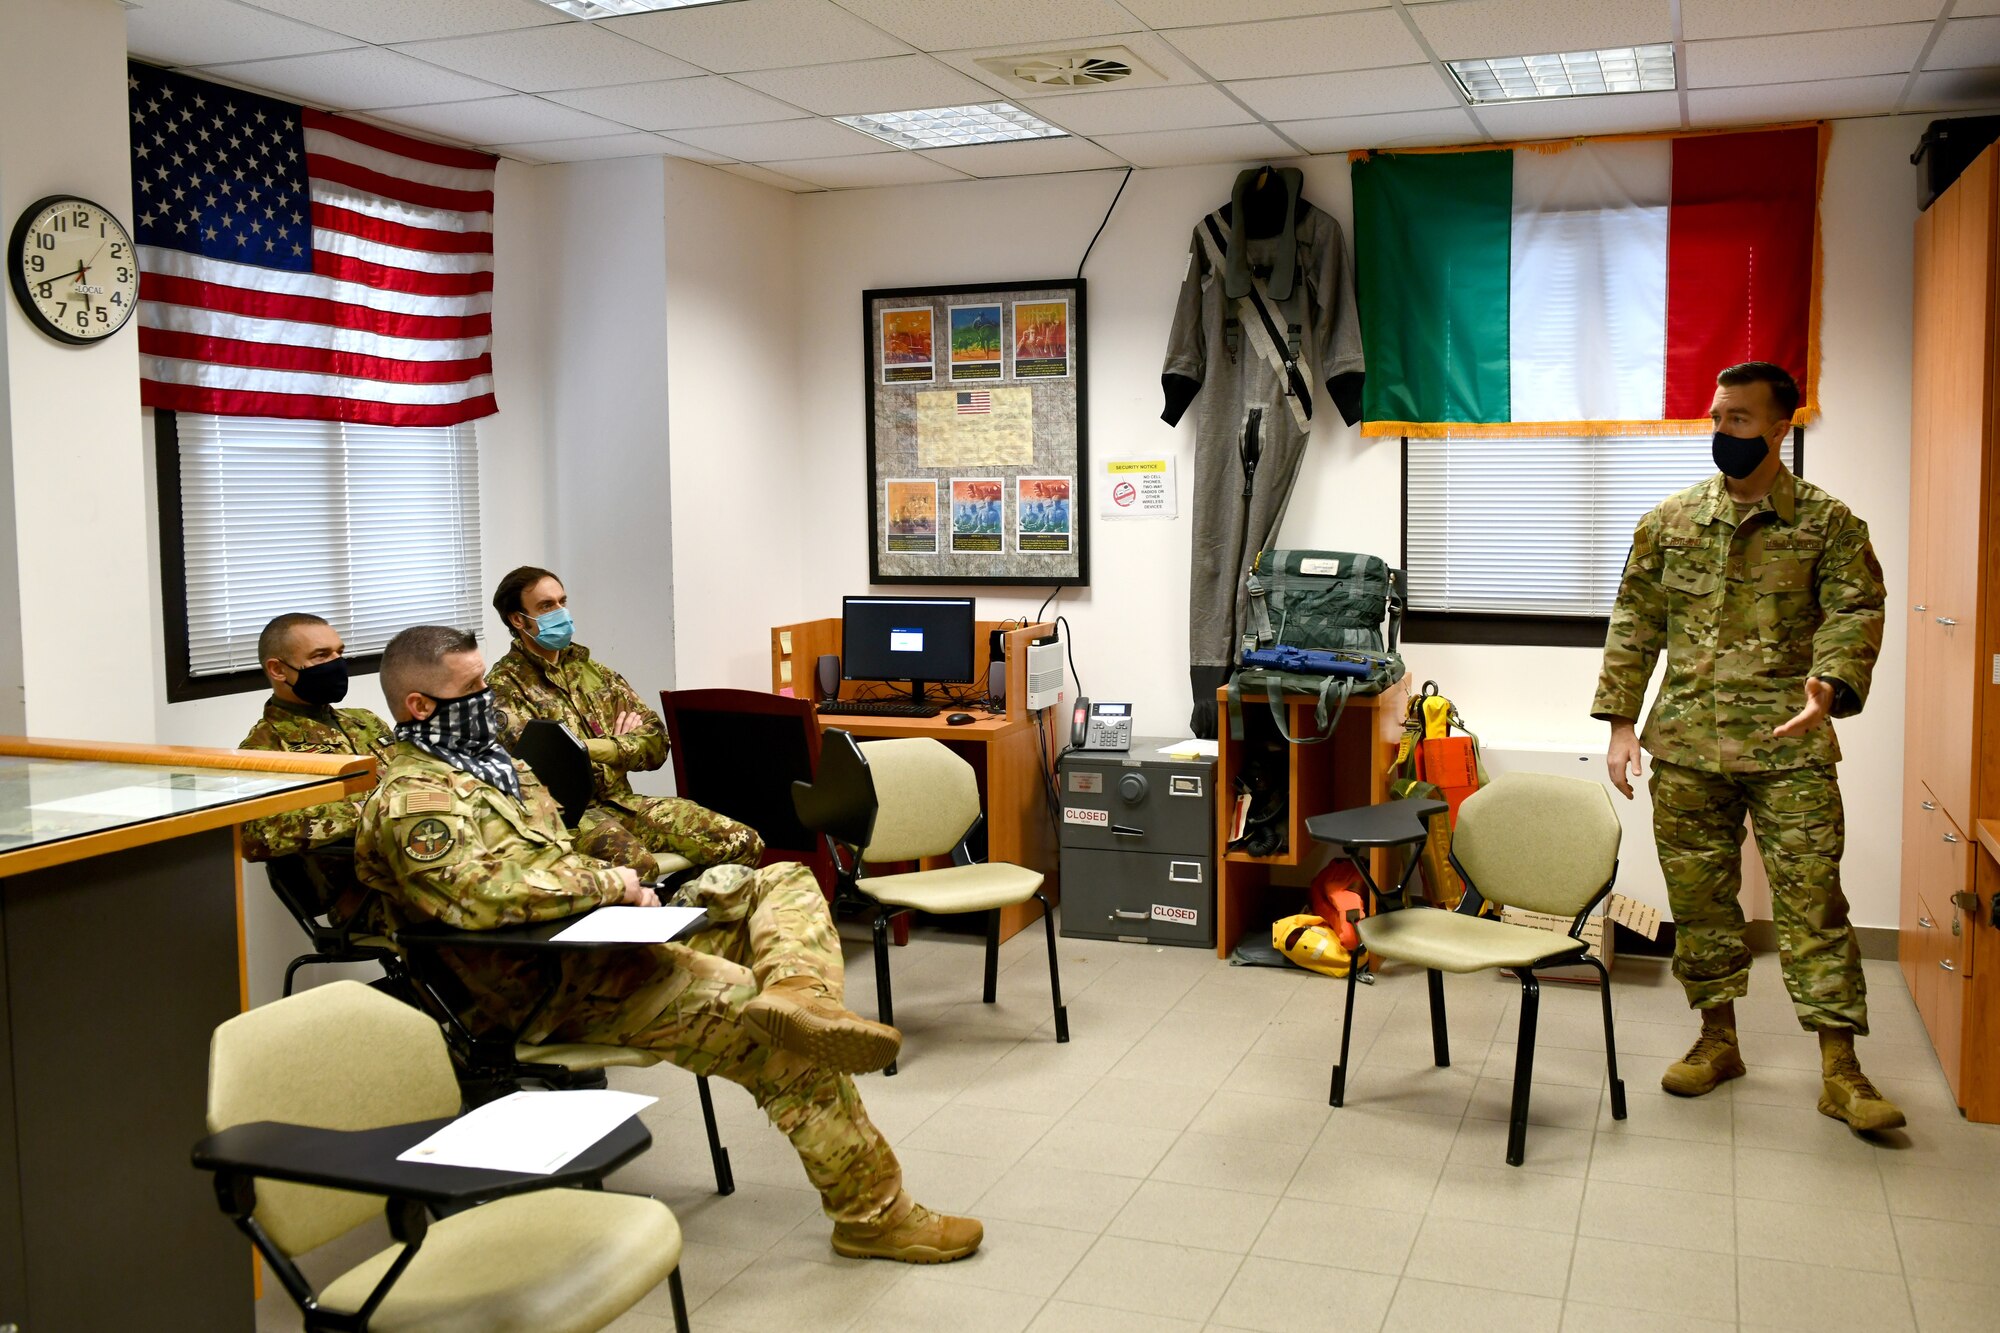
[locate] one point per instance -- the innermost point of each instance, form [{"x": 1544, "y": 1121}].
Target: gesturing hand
[
  {"x": 1819, "y": 703},
  {"x": 626, "y": 724},
  {"x": 636, "y": 894}
]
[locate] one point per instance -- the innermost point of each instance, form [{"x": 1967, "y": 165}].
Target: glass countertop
[{"x": 48, "y": 800}]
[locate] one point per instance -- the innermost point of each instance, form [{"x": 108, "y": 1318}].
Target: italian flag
[{"x": 1590, "y": 287}]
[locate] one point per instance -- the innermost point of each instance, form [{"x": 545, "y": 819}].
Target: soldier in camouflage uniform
[
  {"x": 1764, "y": 593},
  {"x": 459, "y": 832},
  {"x": 547, "y": 676}
]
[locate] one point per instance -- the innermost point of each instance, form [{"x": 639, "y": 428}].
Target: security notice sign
[{"x": 1137, "y": 488}]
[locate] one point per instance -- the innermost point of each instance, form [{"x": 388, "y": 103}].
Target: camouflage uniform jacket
[
  {"x": 436, "y": 843},
  {"x": 1745, "y": 611},
  {"x": 586, "y": 696},
  {"x": 306, "y": 729}
]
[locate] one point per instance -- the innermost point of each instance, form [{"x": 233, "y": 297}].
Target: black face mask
[
  {"x": 322, "y": 682},
  {"x": 1738, "y": 457}
]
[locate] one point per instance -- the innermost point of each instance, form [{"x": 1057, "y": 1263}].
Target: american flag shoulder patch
[{"x": 426, "y": 801}]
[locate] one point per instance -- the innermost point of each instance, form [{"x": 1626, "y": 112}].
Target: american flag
[
  {"x": 974, "y": 402},
  {"x": 294, "y": 264}
]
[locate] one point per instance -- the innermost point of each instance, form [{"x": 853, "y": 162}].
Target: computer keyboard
[{"x": 879, "y": 708}]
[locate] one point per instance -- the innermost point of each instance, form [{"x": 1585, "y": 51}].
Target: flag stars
[
  {"x": 209, "y": 200},
  {"x": 146, "y": 218},
  {"x": 270, "y": 244},
  {"x": 138, "y": 117},
  {"x": 180, "y": 228},
  {"x": 291, "y": 154},
  {"x": 296, "y": 250},
  {"x": 153, "y": 106},
  {"x": 222, "y": 186},
  {"x": 167, "y": 92},
  {"x": 186, "y": 115},
  {"x": 260, "y": 118},
  {"x": 256, "y": 227},
  {"x": 200, "y": 102},
  {"x": 229, "y": 108},
  {"x": 132, "y": 82},
  {"x": 208, "y": 234},
  {"x": 141, "y": 151}
]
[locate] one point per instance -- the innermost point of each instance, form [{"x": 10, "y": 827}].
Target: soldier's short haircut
[
  {"x": 1784, "y": 389},
  {"x": 414, "y": 659},
  {"x": 507, "y": 597},
  {"x": 277, "y": 635}
]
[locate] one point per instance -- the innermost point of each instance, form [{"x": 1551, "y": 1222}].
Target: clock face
[{"x": 73, "y": 269}]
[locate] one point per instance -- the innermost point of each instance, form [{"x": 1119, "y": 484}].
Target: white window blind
[
  {"x": 1535, "y": 527},
  {"x": 374, "y": 527}
]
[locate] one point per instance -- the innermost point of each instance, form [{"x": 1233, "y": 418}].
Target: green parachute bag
[{"x": 1331, "y": 608}]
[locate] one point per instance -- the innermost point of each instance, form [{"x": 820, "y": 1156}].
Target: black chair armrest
[
  {"x": 539, "y": 936},
  {"x": 364, "y": 1161}
]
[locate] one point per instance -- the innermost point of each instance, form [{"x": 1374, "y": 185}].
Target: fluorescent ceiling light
[
  {"x": 953, "y": 126},
  {"x": 1616, "y": 69},
  {"x": 604, "y": 9}
]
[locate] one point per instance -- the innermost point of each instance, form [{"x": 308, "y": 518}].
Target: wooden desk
[
  {"x": 1350, "y": 769},
  {"x": 1005, "y": 750},
  {"x": 121, "y": 949}
]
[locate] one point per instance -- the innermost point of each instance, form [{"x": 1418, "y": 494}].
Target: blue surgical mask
[{"x": 554, "y": 630}]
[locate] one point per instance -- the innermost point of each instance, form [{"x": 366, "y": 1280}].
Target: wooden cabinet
[{"x": 1952, "y": 723}]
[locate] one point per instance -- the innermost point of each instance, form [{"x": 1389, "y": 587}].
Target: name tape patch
[{"x": 1073, "y": 814}]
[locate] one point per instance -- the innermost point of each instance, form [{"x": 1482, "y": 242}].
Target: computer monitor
[{"x": 921, "y": 640}]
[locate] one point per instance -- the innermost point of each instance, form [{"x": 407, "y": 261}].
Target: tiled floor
[{"x": 1176, "y": 1166}]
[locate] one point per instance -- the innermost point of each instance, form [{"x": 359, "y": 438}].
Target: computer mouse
[{"x": 959, "y": 719}]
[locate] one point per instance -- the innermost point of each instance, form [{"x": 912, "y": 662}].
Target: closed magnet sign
[{"x": 1137, "y": 488}]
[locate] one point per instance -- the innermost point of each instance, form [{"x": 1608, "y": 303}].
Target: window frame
[{"x": 1523, "y": 630}]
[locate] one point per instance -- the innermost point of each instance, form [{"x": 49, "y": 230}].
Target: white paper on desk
[
  {"x": 1192, "y": 748},
  {"x": 530, "y": 1132},
  {"x": 628, "y": 925},
  {"x": 131, "y": 802}
]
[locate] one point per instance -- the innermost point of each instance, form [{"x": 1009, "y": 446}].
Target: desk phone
[{"x": 1104, "y": 726}]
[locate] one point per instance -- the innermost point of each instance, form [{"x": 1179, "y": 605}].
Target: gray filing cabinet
[{"x": 1138, "y": 845}]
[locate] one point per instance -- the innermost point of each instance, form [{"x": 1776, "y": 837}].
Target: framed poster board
[{"x": 978, "y": 458}]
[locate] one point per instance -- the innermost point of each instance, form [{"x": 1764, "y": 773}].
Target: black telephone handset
[{"x": 1079, "y": 723}]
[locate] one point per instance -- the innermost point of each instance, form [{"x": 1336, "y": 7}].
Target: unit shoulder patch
[{"x": 427, "y": 839}]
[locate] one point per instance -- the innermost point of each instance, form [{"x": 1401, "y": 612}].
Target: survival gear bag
[
  {"x": 1314, "y": 626},
  {"x": 1433, "y": 764}
]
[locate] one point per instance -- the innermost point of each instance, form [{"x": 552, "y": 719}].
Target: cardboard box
[{"x": 1625, "y": 911}]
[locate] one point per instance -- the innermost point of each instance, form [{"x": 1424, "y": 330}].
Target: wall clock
[{"x": 73, "y": 269}]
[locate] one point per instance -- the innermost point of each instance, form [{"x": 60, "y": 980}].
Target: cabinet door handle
[
  {"x": 1951, "y": 837},
  {"x": 1129, "y": 916},
  {"x": 1926, "y": 923},
  {"x": 1930, "y": 805},
  {"x": 1920, "y": 607},
  {"x": 1127, "y": 831},
  {"x": 1946, "y": 621},
  {"x": 1945, "y": 963}
]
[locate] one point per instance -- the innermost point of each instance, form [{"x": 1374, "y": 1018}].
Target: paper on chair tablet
[
  {"x": 530, "y": 1132},
  {"x": 629, "y": 925}
]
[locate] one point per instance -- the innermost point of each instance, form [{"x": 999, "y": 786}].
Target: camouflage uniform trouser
[
  {"x": 765, "y": 925},
  {"x": 665, "y": 824},
  {"x": 1801, "y": 830}
]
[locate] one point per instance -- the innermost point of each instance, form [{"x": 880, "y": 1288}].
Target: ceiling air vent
[{"x": 1057, "y": 71}]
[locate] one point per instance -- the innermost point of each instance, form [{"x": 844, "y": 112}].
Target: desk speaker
[
  {"x": 826, "y": 678},
  {"x": 996, "y": 683}
]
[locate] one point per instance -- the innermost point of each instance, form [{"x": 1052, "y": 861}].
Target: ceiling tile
[
  {"x": 898, "y": 83},
  {"x": 1703, "y": 19},
  {"x": 1840, "y": 54},
  {"x": 1405, "y": 129},
  {"x": 587, "y": 150},
  {"x": 1869, "y": 96},
  {"x": 385, "y": 21},
  {"x": 1151, "y": 51},
  {"x": 1299, "y": 46},
  {"x": 208, "y": 32},
  {"x": 758, "y": 34},
  {"x": 675, "y": 148},
  {"x": 677, "y": 104},
  {"x": 1174, "y": 148},
  {"x": 356, "y": 80},
  {"x": 1561, "y": 117},
  {"x": 1534, "y": 27},
  {"x": 1968, "y": 8},
  {"x": 1137, "y": 110},
  {"x": 848, "y": 173},
  {"x": 516, "y": 119},
  {"x": 1955, "y": 90},
  {"x": 1187, "y": 13},
  {"x": 1359, "y": 92},
  {"x": 763, "y": 177},
  {"x": 534, "y": 60},
  {"x": 1967, "y": 44},
  {"x": 787, "y": 139},
  {"x": 961, "y": 23},
  {"x": 1027, "y": 158}
]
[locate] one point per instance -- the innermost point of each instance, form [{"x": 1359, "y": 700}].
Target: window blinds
[
  {"x": 1534, "y": 527},
  {"x": 374, "y": 527}
]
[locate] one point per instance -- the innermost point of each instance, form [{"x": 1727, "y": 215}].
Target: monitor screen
[{"x": 906, "y": 638}]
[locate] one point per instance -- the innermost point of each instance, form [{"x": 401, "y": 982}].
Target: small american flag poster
[{"x": 974, "y": 402}]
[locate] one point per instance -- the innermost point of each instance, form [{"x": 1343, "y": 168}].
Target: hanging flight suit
[{"x": 1268, "y": 301}]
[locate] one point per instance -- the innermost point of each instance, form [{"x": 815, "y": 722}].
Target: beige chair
[
  {"x": 910, "y": 800},
  {"x": 529, "y": 1258},
  {"x": 1533, "y": 841}
]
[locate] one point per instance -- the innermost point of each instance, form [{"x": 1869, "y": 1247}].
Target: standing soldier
[
  {"x": 1764, "y": 594},
  {"x": 457, "y": 831},
  {"x": 546, "y": 675}
]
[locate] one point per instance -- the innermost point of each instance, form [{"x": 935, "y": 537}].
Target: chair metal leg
[
  {"x": 725, "y": 1179},
  {"x": 301, "y": 961},
  {"x": 1338, "y": 1095},
  {"x": 680, "y": 1300},
  {"x": 992, "y": 956},
  {"x": 1440, "y": 1039},
  {"x": 1055, "y": 976},
  {"x": 1610, "y": 1041},
  {"x": 884, "y": 1006},
  {"x": 1524, "y": 1067}
]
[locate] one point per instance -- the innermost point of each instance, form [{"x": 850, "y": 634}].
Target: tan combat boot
[
  {"x": 1710, "y": 1062},
  {"x": 920, "y": 1236},
  {"x": 799, "y": 1015},
  {"x": 1847, "y": 1094}
]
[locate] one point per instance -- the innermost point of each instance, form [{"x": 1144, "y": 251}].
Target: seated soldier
[
  {"x": 545, "y": 675},
  {"x": 458, "y": 831}
]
